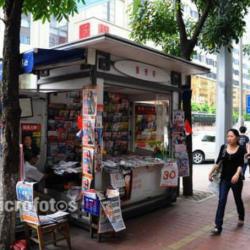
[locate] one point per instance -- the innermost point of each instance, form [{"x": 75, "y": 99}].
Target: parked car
[{"x": 203, "y": 148}]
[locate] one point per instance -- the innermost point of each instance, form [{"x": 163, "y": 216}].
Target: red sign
[
  {"x": 31, "y": 127},
  {"x": 145, "y": 110},
  {"x": 102, "y": 28},
  {"x": 84, "y": 30}
]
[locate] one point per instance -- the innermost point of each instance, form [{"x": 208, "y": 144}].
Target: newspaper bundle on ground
[{"x": 112, "y": 209}]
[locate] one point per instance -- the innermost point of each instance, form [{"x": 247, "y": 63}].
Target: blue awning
[
  {"x": 46, "y": 57},
  {"x": 35, "y": 58}
]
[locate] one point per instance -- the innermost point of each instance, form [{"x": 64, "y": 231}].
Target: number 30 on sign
[{"x": 169, "y": 174}]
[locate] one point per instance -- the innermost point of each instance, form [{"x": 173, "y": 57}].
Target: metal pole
[
  {"x": 224, "y": 96},
  {"x": 241, "y": 119}
]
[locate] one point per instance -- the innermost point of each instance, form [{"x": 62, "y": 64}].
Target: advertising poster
[
  {"x": 117, "y": 180},
  {"x": 25, "y": 191},
  {"x": 178, "y": 138},
  {"x": 28, "y": 213},
  {"x": 86, "y": 182},
  {"x": 145, "y": 126},
  {"x": 98, "y": 158},
  {"x": 31, "y": 135},
  {"x": 99, "y": 97},
  {"x": 128, "y": 178},
  {"x": 112, "y": 209},
  {"x": 89, "y": 102},
  {"x": 25, "y": 194},
  {"x": 183, "y": 164},
  {"x": 169, "y": 175},
  {"x": 87, "y": 160},
  {"x": 178, "y": 119},
  {"x": 88, "y": 131},
  {"x": 179, "y": 143},
  {"x": 180, "y": 148},
  {"x": 104, "y": 224}
]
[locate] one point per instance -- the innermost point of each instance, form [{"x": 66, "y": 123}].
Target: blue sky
[{"x": 90, "y": 2}]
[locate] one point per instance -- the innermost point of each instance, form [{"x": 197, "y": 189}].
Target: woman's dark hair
[{"x": 234, "y": 131}]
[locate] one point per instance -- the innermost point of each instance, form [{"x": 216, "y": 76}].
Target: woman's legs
[
  {"x": 223, "y": 193},
  {"x": 237, "y": 191}
]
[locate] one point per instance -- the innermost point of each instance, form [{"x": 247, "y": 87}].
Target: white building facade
[{"x": 96, "y": 17}]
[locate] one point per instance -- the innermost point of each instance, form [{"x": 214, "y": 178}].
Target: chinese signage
[{"x": 142, "y": 71}]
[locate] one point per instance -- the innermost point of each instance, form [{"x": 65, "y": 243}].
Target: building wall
[
  {"x": 108, "y": 13},
  {"x": 203, "y": 90}
]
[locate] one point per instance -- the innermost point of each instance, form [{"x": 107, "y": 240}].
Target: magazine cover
[
  {"x": 89, "y": 102},
  {"x": 88, "y": 131},
  {"x": 87, "y": 160}
]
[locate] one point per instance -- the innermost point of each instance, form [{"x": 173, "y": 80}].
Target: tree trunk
[
  {"x": 9, "y": 161},
  {"x": 187, "y": 107},
  {"x": 187, "y": 50}
]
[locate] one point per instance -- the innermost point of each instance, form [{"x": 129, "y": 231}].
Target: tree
[
  {"x": 13, "y": 9},
  {"x": 219, "y": 22}
]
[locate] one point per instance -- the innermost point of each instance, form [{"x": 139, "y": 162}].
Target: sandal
[{"x": 216, "y": 231}]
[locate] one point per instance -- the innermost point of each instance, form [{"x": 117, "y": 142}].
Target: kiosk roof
[{"x": 128, "y": 49}]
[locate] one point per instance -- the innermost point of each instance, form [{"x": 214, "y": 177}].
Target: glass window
[
  {"x": 25, "y": 29},
  {"x": 58, "y": 32},
  {"x": 236, "y": 61},
  {"x": 108, "y": 12},
  {"x": 236, "y": 72}
]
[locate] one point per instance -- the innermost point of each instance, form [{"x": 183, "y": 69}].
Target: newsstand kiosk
[{"x": 103, "y": 114}]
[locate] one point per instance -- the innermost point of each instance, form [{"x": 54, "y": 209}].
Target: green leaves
[
  {"x": 155, "y": 21},
  {"x": 45, "y": 9},
  {"x": 225, "y": 24},
  {"x": 203, "y": 108}
]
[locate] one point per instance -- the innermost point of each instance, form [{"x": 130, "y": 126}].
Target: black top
[
  {"x": 230, "y": 162},
  {"x": 243, "y": 140}
]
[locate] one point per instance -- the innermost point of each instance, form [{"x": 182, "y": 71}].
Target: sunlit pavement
[{"x": 185, "y": 225}]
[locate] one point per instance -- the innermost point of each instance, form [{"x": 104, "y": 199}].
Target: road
[{"x": 200, "y": 176}]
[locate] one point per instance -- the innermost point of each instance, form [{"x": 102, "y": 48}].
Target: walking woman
[{"x": 231, "y": 158}]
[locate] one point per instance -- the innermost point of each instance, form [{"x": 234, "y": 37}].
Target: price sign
[{"x": 169, "y": 174}]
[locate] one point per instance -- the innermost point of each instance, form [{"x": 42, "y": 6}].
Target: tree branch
[
  {"x": 180, "y": 22},
  {"x": 3, "y": 20},
  {"x": 200, "y": 22}
]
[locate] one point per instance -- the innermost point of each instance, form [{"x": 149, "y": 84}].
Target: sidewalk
[{"x": 182, "y": 226}]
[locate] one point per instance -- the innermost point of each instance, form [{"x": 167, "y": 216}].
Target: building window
[
  {"x": 58, "y": 32},
  {"x": 25, "y": 29},
  {"x": 236, "y": 72},
  {"x": 109, "y": 11},
  {"x": 236, "y": 61},
  {"x": 235, "y": 82},
  {"x": 212, "y": 75},
  {"x": 210, "y": 61},
  {"x": 246, "y": 76}
]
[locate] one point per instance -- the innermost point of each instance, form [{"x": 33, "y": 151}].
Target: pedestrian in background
[
  {"x": 244, "y": 142},
  {"x": 231, "y": 161}
]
